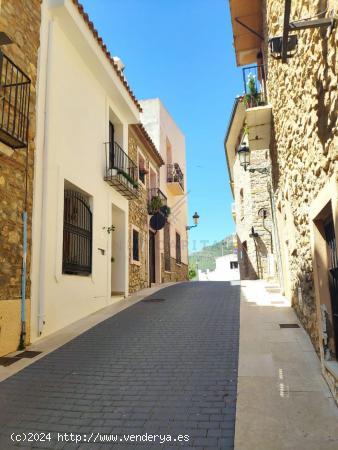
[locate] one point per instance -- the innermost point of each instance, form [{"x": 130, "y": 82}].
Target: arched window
[{"x": 77, "y": 234}]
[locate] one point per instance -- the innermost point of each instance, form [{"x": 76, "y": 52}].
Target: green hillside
[{"x": 205, "y": 259}]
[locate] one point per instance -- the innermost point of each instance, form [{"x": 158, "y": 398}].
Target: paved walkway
[
  {"x": 283, "y": 401},
  {"x": 162, "y": 367}
]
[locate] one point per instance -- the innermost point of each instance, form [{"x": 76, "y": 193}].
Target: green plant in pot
[
  {"x": 253, "y": 97},
  {"x": 165, "y": 210},
  {"x": 156, "y": 204}
]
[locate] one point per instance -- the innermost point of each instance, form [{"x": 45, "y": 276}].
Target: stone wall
[
  {"x": 304, "y": 151},
  {"x": 178, "y": 272},
  {"x": 251, "y": 195},
  {"x": 138, "y": 217},
  {"x": 20, "y": 20}
]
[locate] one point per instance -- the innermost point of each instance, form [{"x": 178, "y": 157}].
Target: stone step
[{"x": 273, "y": 289}]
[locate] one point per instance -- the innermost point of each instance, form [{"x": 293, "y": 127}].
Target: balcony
[
  {"x": 121, "y": 171},
  {"x": 175, "y": 179},
  {"x": 156, "y": 201},
  {"x": 14, "y": 104},
  {"x": 254, "y": 86}
]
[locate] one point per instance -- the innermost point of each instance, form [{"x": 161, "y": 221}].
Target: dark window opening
[
  {"x": 330, "y": 238},
  {"x": 178, "y": 248},
  {"x": 111, "y": 145},
  {"x": 77, "y": 234},
  {"x": 141, "y": 169},
  {"x": 167, "y": 266},
  {"x": 136, "y": 253},
  {"x": 233, "y": 264}
]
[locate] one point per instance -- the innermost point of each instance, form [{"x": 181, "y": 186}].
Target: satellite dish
[{"x": 157, "y": 221}]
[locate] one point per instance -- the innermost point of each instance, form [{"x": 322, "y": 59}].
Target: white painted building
[
  {"x": 170, "y": 142},
  {"x": 226, "y": 270},
  {"x": 79, "y": 264}
]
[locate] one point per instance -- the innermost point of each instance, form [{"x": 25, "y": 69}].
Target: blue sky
[{"x": 181, "y": 51}]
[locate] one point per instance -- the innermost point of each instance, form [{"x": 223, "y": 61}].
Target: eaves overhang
[
  {"x": 82, "y": 34},
  {"x": 247, "y": 28},
  {"x": 233, "y": 133}
]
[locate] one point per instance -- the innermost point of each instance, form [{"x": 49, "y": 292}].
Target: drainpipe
[
  {"x": 44, "y": 194},
  {"x": 23, "y": 283},
  {"x": 22, "y": 341}
]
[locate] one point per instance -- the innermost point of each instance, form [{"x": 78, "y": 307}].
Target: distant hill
[{"x": 205, "y": 259}]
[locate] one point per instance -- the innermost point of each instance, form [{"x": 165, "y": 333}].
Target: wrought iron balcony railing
[
  {"x": 254, "y": 86},
  {"x": 156, "y": 200},
  {"x": 175, "y": 175},
  {"x": 14, "y": 104},
  {"x": 121, "y": 171}
]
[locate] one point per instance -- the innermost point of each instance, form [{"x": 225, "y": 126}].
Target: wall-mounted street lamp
[
  {"x": 253, "y": 233},
  {"x": 196, "y": 219},
  {"x": 244, "y": 160}
]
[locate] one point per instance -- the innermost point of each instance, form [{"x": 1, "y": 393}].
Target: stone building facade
[
  {"x": 142, "y": 149},
  {"x": 177, "y": 272},
  {"x": 20, "y": 20},
  {"x": 305, "y": 147},
  {"x": 303, "y": 150},
  {"x": 251, "y": 188}
]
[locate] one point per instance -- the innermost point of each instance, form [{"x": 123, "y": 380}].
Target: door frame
[
  {"x": 325, "y": 203},
  {"x": 150, "y": 259}
]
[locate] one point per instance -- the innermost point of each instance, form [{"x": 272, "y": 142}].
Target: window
[
  {"x": 135, "y": 245},
  {"x": 77, "y": 234},
  {"x": 14, "y": 104},
  {"x": 178, "y": 248},
  {"x": 167, "y": 266},
  {"x": 141, "y": 168},
  {"x": 233, "y": 264}
]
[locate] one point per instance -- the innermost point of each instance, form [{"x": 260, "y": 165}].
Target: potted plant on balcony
[
  {"x": 165, "y": 210},
  {"x": 156, "y": 204},
  {"x": 252, "y": 98}
]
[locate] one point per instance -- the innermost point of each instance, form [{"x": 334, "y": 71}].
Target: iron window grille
[
  {"x": 14, "y": 104},
  {"x": 175, "y": 174},
  {"x": 136, "y": 247},
  {"x": 178, "y": 249},
  {"x": 77, "y": 234}
]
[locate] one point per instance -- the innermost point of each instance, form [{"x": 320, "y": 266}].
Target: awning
[{"x": 247, "y": 43}]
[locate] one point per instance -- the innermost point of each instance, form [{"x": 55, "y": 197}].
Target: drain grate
[
  {"x": 289, "y": 325},
  {"x": 27, "y": 354},
  {"x": 153, "y": 300},
  {"x": 7, "y": 360}
]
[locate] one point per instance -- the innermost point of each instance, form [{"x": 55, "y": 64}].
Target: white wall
[
  {"x": 223, "y": 271},
  {"x": 73, "y": 111}
]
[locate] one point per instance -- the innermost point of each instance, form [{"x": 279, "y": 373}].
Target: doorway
[
  {"x": 119, "y": 252},
  {"x": 152, "y": 257},
  {"x": 332, "y": 271}
]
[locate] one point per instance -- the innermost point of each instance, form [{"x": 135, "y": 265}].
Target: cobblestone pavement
[{"x": 164, "y": 367}]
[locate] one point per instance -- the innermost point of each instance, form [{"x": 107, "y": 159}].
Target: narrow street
[{"x": 165, "y": 367}]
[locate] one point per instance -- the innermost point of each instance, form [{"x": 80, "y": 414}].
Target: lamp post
[{"x": 196, "y": 219}]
